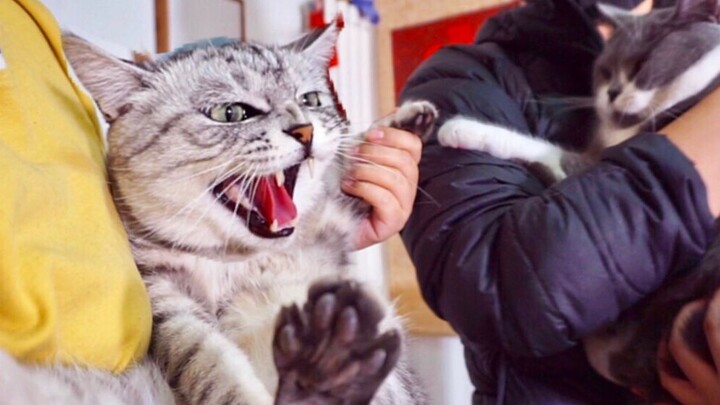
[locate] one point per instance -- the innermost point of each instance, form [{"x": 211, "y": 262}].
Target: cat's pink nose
[{"x": 302, "y": 133}]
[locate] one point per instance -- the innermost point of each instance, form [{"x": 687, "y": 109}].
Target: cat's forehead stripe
[{"x": 263, "y": 59}]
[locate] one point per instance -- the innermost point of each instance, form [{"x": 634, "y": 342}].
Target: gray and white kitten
[
  {"x": 654, "y": 67},
  {"x": 225, "y": 164}
]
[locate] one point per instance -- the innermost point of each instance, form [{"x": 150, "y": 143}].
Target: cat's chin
[{"x": 624, "y": 120}]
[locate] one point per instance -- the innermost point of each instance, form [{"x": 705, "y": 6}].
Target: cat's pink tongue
[{"x": 274, "y": 203}]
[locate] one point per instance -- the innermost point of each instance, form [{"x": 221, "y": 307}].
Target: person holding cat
[{"x": 524, "y": 272}]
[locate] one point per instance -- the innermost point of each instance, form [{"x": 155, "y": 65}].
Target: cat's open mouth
[{"x": 265, "y": 204}]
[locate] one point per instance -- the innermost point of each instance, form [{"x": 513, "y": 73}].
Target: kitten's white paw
[
  {"x": 452, "y": 135},
  {"x": 501, "y": 142},
  {"x": 464, "y": 133}
]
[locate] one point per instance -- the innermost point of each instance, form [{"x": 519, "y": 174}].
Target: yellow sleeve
[{"x": 69, "y": 289}]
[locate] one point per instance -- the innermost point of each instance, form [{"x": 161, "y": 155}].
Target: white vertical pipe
[{"x": 355, "y": 87}]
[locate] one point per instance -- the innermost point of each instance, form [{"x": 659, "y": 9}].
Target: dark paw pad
[
  {"x": 330, "y": 351},
  {"x": 418, "y": 117}
]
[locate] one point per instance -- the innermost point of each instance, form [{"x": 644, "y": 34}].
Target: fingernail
[
  {"x": 348, "y": 183},
  {"x": 375, "y": 135}
]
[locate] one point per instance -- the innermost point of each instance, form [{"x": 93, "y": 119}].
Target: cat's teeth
[
  {"x": 311, "y": 166},
  {"x": 245, "y": 202},
  {"x": 235, "y": 194},
  {"x": 280, "y": 178},
  {"x": 274, "y": 227}
]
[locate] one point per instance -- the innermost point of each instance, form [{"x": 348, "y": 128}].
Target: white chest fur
[{"x": 245, "y": 296}]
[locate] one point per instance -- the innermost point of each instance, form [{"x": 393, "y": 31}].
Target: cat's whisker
[
  {"x": 582, "y": 101},
  {"x": 252, "y": 193},
  {"x": 233, "y": 224},
  {"x": 241, "y": 179},
  {"x": 586, "y": 48},
  {"x": 179, "y": 180},
  {"x": 420, "y": 189},
  {"x": 190, "y": 205},
  {"x": 360, "y": 159}
]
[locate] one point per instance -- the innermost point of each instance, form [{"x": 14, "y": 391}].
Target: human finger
[
  {"x": 391, "y": 180},
  {"x": 397, "y": 139},
  {"x": 712, "y": 328},
  {"x": 389, "y": 157},
  {"x": 701, "y": 375}
]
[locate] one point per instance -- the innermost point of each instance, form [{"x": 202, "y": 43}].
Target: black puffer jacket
[{"x": 521, "y": 271}]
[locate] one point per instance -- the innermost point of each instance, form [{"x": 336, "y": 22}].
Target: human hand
[
  {"x": 702, "y": 386},
  {"x": 385, "y": 175}
]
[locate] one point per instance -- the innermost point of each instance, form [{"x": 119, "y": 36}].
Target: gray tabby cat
[
  {"x": 653, "y": 67},
  {"x": 225, "y": 164}
]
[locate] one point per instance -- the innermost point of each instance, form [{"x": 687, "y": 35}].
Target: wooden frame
[{"x": 162, "y": 26}]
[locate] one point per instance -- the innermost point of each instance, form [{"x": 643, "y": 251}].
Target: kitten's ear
[
  {"x": 320, "y": 43},
  {"x": 698, "y": 9},
  {"x": 111, "y": 81},
  {"x": 613, "y": 15}
]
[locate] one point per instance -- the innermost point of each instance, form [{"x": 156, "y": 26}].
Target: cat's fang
[
  {"x": 274, "y": 227},
  {"x": 311, "y": 166},
  {"x": 280, "y": 178}
]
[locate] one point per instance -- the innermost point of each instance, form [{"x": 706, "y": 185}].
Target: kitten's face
[
  {"x": 221, "y": 147},
  {"x": 654, "y": 61}
]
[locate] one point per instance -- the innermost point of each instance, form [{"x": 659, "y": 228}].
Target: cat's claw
[
  {"x": 418, "y": 117},
  {"x": 331, "y": 351}
]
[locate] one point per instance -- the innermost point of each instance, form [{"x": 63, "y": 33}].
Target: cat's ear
[
  {"x": 614, "y": 16},
  {"x": 110, "y": 81},
  {"x": 697, "y": 9},
  {"x": 319, "y": 44}
]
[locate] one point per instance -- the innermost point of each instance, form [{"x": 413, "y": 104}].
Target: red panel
[{"x": 412, "y": 45}]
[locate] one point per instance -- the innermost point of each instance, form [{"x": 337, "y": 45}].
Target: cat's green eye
[
  {"x": 311, "y": 99},
  {"x": 228, "y": 113},
  {"x": 232, "y": 112}
]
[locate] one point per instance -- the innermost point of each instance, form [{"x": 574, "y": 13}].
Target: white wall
[
  {"x": 439, "y": 364},
  {"x": 191, "y": 20},
  {"x": 274, "y": 21},
  {"x": 118, "y": 26}
]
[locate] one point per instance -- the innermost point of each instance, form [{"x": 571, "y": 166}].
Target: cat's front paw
[
  {"x": 455, "y": 134},
  {"x": 331, "y": 351},
  {"x": 418, "y": 117}
]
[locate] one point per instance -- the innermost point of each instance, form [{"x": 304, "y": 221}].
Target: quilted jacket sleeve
[{"x": 504, "y": 259}]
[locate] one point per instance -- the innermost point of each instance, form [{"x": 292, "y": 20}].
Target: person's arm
[
  {"x": 697, "y": 134},
  {"x": 509, "y": 262}
]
